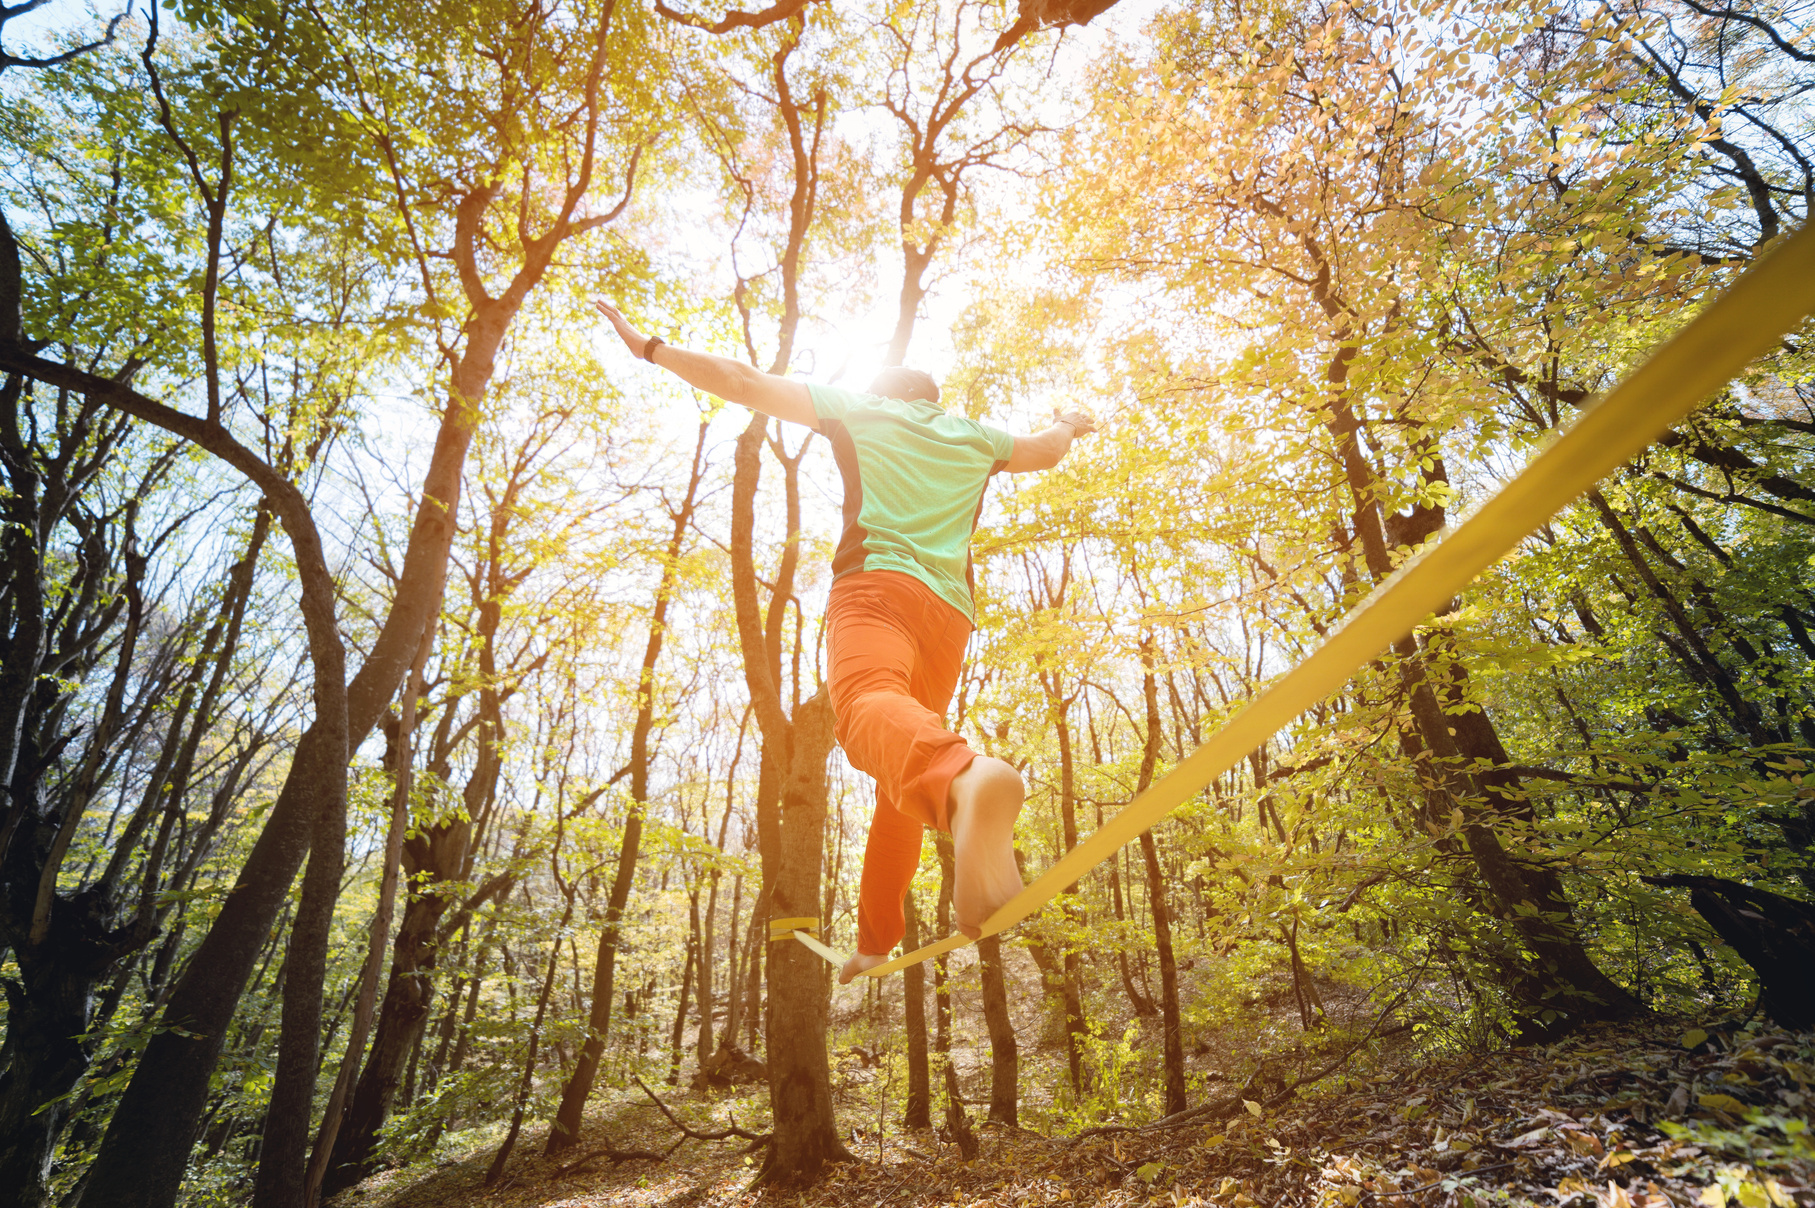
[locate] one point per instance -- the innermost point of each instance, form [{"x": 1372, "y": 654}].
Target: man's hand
[
  {"x": 633, "y": 339},
  {"x": 1047, "y": 449}
]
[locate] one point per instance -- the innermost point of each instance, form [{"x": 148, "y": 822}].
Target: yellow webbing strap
[
  {"x": 834, "y": 957},
  {"x": 781, "y": 929},
  {"x": 1767, "y": 301}
]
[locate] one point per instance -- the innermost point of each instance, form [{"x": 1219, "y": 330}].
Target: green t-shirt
[{"x": 913, "y": 486}]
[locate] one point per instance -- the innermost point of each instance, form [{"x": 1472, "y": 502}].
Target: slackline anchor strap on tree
[
  {"x": 799, "y": 929},
  {"x": 1767, "y": 301}
]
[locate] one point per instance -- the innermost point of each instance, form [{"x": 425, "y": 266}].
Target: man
[{"x": 900, "y": 617}]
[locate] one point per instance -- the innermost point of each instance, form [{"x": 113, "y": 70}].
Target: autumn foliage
[{"x": 412, "y": 707}]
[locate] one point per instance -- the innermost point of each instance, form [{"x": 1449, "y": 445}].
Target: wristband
[{"x": 649, "y": 347}]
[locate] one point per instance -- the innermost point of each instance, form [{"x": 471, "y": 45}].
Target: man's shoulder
[{"x": 835, "y": 402}]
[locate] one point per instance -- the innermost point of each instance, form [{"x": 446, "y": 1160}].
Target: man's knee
[{"x": 861, "y": 693}]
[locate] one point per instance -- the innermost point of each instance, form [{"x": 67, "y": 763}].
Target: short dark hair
[{"x": 898, "y": 381}]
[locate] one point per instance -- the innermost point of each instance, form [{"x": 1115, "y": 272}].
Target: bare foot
[
  {"x": 861, "y": 963},
  {"x": 986, "y": 799}
]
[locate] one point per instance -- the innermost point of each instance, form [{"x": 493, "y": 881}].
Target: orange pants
[{"x": 896, "y": 649}]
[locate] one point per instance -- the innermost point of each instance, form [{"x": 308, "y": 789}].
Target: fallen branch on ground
[
  {"x": 616, "y": 1155},
  {"x": 757, "y": 1140}
]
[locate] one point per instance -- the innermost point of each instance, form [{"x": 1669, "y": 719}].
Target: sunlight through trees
[{"x": 413, "y": 707}]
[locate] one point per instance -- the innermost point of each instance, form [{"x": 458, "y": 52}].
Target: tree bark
[
  {"x": 919, "y": 1110},
  {"x": 402, "y": 769},
  {"x": 1772, "y": 933},
  {"x": 1004, "y": 1053},
  {"x": 791, "y": 817},
  {"x": 800, "y": 1087},
  {"x": 680, "y": 1010},
  {"x": 1172, "y": 1035}
]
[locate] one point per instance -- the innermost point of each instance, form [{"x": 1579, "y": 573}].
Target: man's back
[{"x": 913, "y": 479}]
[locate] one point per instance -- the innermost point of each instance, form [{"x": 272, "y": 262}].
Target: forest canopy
[{"x": 413, "y": 706}]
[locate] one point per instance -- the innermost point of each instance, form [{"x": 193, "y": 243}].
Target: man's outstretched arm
[
  {"x": 1044, "y": 450},
  {"x": 733, "y": 381}
]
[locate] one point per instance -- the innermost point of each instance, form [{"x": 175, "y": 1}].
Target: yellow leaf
[
  {"x": 1215, "y": 1139},
  {"x": 1713, "y": 1196},
  {"x": 1254, "y": 1108},
  {"x": 1718, "y": 1102},
  {"x": 1751, "y": 1195},
  {"x": 1693, "y": 1037}
]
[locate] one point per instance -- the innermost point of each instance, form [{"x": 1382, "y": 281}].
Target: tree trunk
[
  {"x": 755, "y": 961},
  {"x": 431, "y": 858},
  {"x": 680, "y": 1012},
  {"x": 1004, "y": 1053},
  {"x": 919, "y": 1111},
  {"x": 1172, "y": 1033},
  {"x": 1557, "y": 978},
  {"x": 800, "y": 1083},
  {"x": 702, "y": 936},
  {"x": 402, "y": 766},
  {"x": 1140, "y": 1001},
  {"x": 46, "y": 1058},
  {"x": 942, "y": 990},
  {"x": 1772, "y": 933},
  {"x": 1071, "y": 977},
  {"x": 408, "y": 996}
]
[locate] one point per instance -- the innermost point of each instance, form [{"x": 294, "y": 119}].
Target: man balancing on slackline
[{"x": 900, "y": 616}]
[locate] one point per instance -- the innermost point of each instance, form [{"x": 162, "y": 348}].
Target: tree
[
  {"x": 141, "y": 1158},
  {"x": 792, "y": 791}
]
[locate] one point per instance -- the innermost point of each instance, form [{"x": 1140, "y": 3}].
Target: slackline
[{"x": 1767, "y": 302}]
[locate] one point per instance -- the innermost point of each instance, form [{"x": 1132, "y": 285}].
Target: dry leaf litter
[{"x": 1647, "y": 1116}]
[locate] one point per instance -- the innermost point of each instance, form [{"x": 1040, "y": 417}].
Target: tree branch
[
  {"x": 735, "y": 19},
  {"x": 718, "y": 1134}
]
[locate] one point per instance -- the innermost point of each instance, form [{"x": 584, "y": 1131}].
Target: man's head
[{"x": 898, "y": 381}]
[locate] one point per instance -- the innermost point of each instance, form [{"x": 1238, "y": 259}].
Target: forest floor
[{"x": 1646, "y": 1116}]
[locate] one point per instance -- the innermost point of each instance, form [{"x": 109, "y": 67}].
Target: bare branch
[
  {"x": 717, "y": 1134},
  {"x": 616, "y": 1155},
  {"x": 19, "y": 10},
  {"x": 735, "y": 19},
  {"x": 1758, "y": 23}
]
